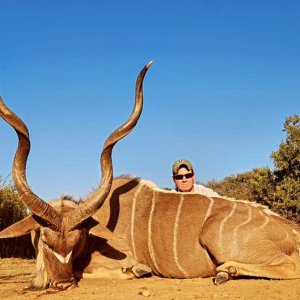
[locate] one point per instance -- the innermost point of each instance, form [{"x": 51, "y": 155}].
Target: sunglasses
[{"x": 187, "y": 176}]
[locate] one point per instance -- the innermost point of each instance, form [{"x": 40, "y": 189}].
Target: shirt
[{"x": 200, "y": 189}]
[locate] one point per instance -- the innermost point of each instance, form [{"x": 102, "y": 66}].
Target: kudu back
[{"x": 60, "y": 229}]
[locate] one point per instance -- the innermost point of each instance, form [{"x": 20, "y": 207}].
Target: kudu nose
[{"x": 66, "y": 284}]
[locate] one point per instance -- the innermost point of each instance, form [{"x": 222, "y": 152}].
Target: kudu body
[
  {"x": 185, "y": 235},
  {"x": 60, "y": 230}
]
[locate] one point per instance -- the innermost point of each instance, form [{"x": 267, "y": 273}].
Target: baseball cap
[{"x": 182, "y": 163}]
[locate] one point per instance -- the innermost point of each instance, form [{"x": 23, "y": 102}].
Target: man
[{"x": 184, "y": 179}]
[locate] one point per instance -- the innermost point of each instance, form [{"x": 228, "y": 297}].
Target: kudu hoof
[
  {"x": 221, "y": 277},
  {"x": 139, "y": 270}
]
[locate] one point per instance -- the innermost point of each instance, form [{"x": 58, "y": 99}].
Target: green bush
[
  {"x": 279, "y": 189},
  {"x": 11, "y": 211}
]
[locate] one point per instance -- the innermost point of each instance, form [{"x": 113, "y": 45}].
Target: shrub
[
  {"x": 11, "y": 211},
  {"x": 278, "y": 189}
]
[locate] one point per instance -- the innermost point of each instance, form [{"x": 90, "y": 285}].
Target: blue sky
[{"x": 224, "y": 78}]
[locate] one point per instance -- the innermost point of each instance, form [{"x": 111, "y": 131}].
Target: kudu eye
[{"x": 43, "y": 240}]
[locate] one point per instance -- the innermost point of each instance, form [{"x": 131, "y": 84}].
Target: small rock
[{"x": 145, "y": 293}]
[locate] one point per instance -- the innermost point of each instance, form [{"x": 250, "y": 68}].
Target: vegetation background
[
  {"x": 278, "y": 188},
  {"x": 12, "y": 210}
]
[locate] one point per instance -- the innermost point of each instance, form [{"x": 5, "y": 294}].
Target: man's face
[{"x": 183, "y": 183}]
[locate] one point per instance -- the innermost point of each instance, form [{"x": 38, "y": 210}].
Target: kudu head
[{"x": 59, "y": 232}]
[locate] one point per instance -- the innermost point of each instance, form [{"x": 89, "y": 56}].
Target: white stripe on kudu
[
  {"x": 175, "y": 237},
  {"x": 264, "y": 224},
  {"x": 132, "y": 219},
  {"x": 150, "y": 244},
  {"x": 223, "y": 223},
  {"x": 211, "y": 203},
  {"x": 235, "y": 230}
]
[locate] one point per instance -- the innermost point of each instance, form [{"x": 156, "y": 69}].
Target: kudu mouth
[
  {"x": 41, "y": 208},
  {"x": 67, "y": 284}
]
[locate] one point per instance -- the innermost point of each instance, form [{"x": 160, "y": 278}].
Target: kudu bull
[{"x": 141, "y": 228}]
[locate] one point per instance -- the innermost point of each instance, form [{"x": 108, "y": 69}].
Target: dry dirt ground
[{"x": 16, "y": 274}]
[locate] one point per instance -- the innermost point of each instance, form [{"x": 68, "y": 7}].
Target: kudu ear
[
  {"x": 94, "y": 227},
  {"x": 20, "y": 228}
]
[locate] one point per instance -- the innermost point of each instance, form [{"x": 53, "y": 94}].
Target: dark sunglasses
[{"x": 187, "y": 176}]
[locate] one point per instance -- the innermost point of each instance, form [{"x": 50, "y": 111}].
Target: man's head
[{"x": 183, "y": 175}]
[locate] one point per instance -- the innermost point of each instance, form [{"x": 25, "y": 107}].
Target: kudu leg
[
  {"x": 283, "y": 267},
  {"x": 138, "y": 270},
  {"x": 118, "y": 272},
  {"x": 111, "y": 258}
]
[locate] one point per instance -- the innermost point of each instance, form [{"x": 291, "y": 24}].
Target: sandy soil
[{"x": 16, "y": 274}]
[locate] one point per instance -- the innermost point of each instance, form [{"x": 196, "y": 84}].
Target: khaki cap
[{"x": 182, "y": 162}]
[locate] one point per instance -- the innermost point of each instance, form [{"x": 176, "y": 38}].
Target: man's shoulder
[{"x": 201, "y": 189}]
